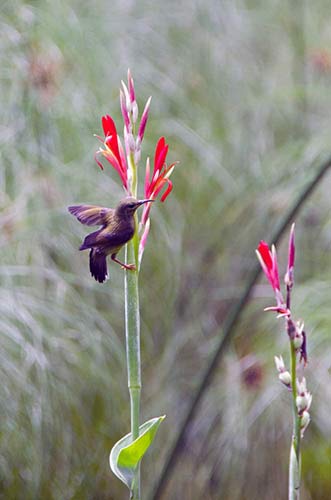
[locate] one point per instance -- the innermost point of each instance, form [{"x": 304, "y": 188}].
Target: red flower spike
[
  {"x": 289, "y": 276},
  {"x": 113, "y": 151},
  {"x": 160, "y": 154},
  {"x": 161, "y": 173},
  {"x": 268, "y": 261},
  {"x": 109, "y": 129},
  {"x": 160, "y": 177}
]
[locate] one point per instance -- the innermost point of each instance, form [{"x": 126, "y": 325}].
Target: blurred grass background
[{"x": 242, "y": 91}]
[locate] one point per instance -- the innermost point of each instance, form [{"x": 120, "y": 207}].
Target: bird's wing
[{"x": 90, "y": 215}]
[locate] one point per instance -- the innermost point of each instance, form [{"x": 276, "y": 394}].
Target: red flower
[
  {"x": 289, "y": 276},
  {"x": 268, "y": 261},
  {"x": 160, "y": 177},
  {"x": 113, "y": 150}
]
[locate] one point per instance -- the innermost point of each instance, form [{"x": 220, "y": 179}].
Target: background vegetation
[{"x": 241, "y": 90}]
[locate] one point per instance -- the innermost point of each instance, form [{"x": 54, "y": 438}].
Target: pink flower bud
[
  {"x": 131, "y": 87},
  {"x": 269, "y": 264},
  {"x": 143, "y": 120},
  {"x": 125, "y": 112},
  {"x": 289, "y": 276}
]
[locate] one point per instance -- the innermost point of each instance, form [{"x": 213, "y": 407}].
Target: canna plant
[
  {"x": 121, "y": 227},
  {"x": 301, "y": 398}
]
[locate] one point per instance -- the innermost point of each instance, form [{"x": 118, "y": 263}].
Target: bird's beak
[{"x": 141, "y": 202}]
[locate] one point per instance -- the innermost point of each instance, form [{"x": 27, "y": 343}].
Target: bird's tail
[{"x": 98, "y": 265}]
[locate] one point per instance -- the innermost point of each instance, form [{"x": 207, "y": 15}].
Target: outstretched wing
[{"x": 90, "y": 215}]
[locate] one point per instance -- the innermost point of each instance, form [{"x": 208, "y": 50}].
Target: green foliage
[
  {"x": 126, "y": 454},
  {"x": 241, "y": 95}
]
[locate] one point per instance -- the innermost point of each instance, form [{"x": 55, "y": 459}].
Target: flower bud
[
  {"x": 285, "y": 378},
  {"x": 289, "y": 276},
  {"x": 134, "y": 107},
  {"x": 279, "y": 362},
  {"x": 301, "y": 402},
  {"x": 129, "y": 142},
  {"x": 305, "y": 419},
  {"x": 302, "y": 386}
]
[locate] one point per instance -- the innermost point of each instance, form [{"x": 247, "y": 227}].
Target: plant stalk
[
  {"x": 295, "y": 454},
  {"x": 132, "y": 334}
]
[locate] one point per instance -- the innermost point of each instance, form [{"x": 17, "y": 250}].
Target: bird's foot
[{"x": 129, "y": 267}]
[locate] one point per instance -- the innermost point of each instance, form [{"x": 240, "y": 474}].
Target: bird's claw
[{"x": 130, "y": 267}]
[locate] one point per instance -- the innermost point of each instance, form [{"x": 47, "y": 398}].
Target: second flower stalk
[{"x": 301, "y": 398}]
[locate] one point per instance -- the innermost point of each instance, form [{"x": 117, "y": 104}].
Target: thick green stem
[
  {"x": 132, "y": 335},
  {"x": 132, "y": 329},
  {"x": 295, "y": 458}
]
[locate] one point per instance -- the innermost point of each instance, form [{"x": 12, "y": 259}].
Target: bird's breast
[{"x": 112, "y": 237}]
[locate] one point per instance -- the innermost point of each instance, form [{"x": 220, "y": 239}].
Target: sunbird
[{"x": 118, "y": 227}]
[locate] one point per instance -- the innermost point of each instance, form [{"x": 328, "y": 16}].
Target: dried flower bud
[
  {"x": 297, "y": 341},
  {"x": 291, "y": 329}
]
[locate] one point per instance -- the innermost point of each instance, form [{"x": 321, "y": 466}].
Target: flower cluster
[
  {"x": 125, "y": 160},
  {"x": 295, "y": 329},
  {"x": 303, "y": 402}
]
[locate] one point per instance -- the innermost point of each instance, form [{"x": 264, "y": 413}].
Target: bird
[{"x": 117, "y": 228}]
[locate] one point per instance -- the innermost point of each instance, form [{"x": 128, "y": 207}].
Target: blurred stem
[
  {"x": 295, "y": 459},
  {"x": 132, "y": 336}
]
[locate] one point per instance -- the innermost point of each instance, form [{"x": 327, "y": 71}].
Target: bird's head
[{"x": 128, "y": 206}]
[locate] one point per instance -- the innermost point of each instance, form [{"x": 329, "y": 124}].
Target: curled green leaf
[{"x": 126, "y": 454}]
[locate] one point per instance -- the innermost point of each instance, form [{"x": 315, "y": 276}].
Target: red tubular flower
[
  {"x": 160, "y": 177},
  {"x": 113, "y": 150},
  {"x": 268, "y": 261},
  {"x": 289, "y": 276},
  {"x": 153, "y": 186}
]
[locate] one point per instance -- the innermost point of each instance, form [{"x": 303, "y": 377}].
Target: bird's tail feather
[{"x": 98, "y": 265}]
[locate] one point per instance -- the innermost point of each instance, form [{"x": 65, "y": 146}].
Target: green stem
[
  {"x": 295, "y": 458},
  {"x": 132, "y": 335}
]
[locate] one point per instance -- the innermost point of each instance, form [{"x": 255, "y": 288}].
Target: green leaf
[{"x": 126, "y": 454}]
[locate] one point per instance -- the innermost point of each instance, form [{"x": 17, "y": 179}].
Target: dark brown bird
[{"x": 118, "y": 227}]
